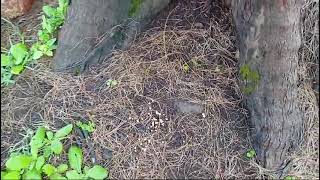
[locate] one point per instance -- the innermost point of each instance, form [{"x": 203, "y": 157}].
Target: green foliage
[
  {"x": 290, "y": 178},
  {"x": 18, "y": 162},
  {"x": 57, "y": 176},
  {"x": 250, "y": 77},
  {"x": 45, "y": 143},
  {"x": 32, "y": 174},
  {"x": 97, "y": 172},
  {"x": 251, "y": 153},
  {"x": 75, "y": 158},
  {"x": 73, "y": 174},
  {"x": 62, "y": 168},
  {"x": 49, "y": 169},
  {"x": 37, "y": 141},
  {"x": 56, "y": 146},
  {"x": 89, "y": 127},
  {"x": 40, "y": 162},
  {"x": 19, "y": 52},
  {"x": 134, "y": 7},
  {"x": 112, "y": 83},
  {"x": 20, "y": 56},
  {"x": 11, "y": 175},
  {"x": 63, "y": 132},
  {"x": 186, "y": 67}
]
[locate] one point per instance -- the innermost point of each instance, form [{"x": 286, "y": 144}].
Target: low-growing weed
[
  {"x": 89, "y": 127},
  {"x": 43, "y": 145},
  {"x": 14, "y": 61},
  {"x": 112, "y": 83},
  {"x": 251, "y": 153}
]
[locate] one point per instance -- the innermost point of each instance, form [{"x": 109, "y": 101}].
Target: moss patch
[
  {"x": 134, "y": 7},
  {"x": 250, "y": 77}
]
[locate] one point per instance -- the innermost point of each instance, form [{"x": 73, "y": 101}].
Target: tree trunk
[
  {"x": 269, "y": 39},
  {"x": 94, "y": 28}
]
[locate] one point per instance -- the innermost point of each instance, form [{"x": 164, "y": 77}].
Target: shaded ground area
[{"x": 176, "y": 110}]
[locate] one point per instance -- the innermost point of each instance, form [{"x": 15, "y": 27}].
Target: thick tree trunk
[
  {"x": 269, "y": 39},
  {"x": 94, "y": 28}
]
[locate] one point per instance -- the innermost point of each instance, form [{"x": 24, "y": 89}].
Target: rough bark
[
  {"x": 94, "y": 28},
  {"x": 269, "y": 39}
]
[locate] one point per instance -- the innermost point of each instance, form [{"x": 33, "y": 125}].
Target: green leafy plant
[
  {"x": 75, "y": 157},
  {"x": 250, "y": 77},
  {"x": 14, "y": 61},
  {"x": 31, "y": 165},
  {"x": 89, "y": 127},
  {"x": 112, "y": 83},
  {"x": 34, "y": 164},
  {"x": 38, "y": 50},
  {"x": 251, "y": 153}
]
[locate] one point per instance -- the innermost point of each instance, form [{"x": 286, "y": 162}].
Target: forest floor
[{"x": 176, "y": 111}]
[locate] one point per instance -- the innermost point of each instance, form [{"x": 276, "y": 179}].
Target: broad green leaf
[
  {"x": 43, "y": 47},
  {"x": 49, "y": 53},
  {"x": 57, "y": 176},
  {"x": 37, "y": 141},
  {"x": 47, "y": 152},
  {"x": 63, "y": 132},
  {"x": 73, "y": 174},
  {"x": 49, "y": 135},
  {"x": 51, "y": 42},
  {"x": 48, "y": 169},
  {"x": 53, "y": 47},
  {"x": 86, "y": 169},
  {"x": 35, "y": 46},
  {"x": 75, "y": 158},
  {"x": 44, "y": 36},
  {"x": 62, "y": 168},
  {"x": 63, "y": 3},
  {"x": 50, "y": 26},
  {"x": 97, "y": 172},
  {"x": 3, "y": 173},
  {"x": 5, "y": 60},
  {"x": 17, "y": 69},
  {"x": 36, "y": 55},
  {"x": 40, "y": 162},
  {"x": 19, "y": 52},
  {"x": 49, "y": 11},
  {"x": 32, "y": 165},
  {"x": 18, "y": 162},
  {"x": 46, "y": 25},
  {"x": 56, "y": 146},
  {"x": 12, "y": 175},
  {"x": 32, "y": 175}
]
